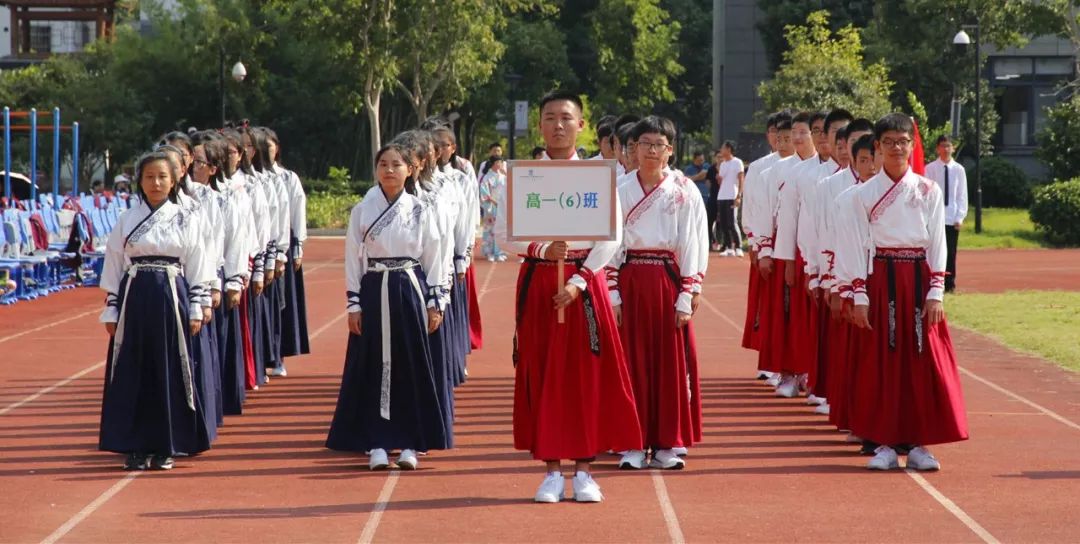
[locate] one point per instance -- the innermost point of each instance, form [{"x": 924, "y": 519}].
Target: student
[
  {"x": 730, "y": 177},
  {"x": 620, "y": 135},
  {"x": 654, "y": 281},
  {"x": 537, "y": 153},
  {"x": 153, "y": 276},
  {"x": 572, "y": 393},
  {"x": 785, "y": 311},
  {"x": 754, "y": 195},
  {"x": 492, "y": 182},
  {"x": 626, "y": 143},
  {"x": 906, "y": 388},
  {"x": 389, "y": 399},
  {"x": 294, "y": 330},
  {"x": 494, "y": 150},
  {"x": 833, "y": 193},
  {"x": 952, "y": 178},
  {"x": 605, "y": 135}
]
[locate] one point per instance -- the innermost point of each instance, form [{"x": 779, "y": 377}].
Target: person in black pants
[
  {"x": 729, "y": 178},
  {"x": 952, "y": 178},
  {"x": 712, "y": 177}
]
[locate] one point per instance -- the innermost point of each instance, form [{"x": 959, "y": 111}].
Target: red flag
[{"x": 918, "y": 158}]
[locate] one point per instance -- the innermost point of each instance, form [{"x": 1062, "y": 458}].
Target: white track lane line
[
  {"x": 112, "y": 491},
  {"x": 953, "y": 509},
  {"x": 487, "y": 282},
  {"x": 368, "y": 534},
  {"x": 53, "y": 324},
  {"x": 670, "y": 519},
  {"x": 100, "y": 364},
  {"x": 90, "y": 508}
]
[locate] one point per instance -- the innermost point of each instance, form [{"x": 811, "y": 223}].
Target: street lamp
[
  {"x": 512, "y": 80},
  {"x": 962, "y": 39},
  {"x": 239, "y": 72}
]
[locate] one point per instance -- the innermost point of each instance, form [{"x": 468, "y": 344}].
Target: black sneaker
[
  {"x": 136, "y": 461},
  {"x": 161, "y": 462}
]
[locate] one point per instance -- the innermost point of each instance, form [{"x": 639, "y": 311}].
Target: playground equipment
[{"x": 32, "y": 127}]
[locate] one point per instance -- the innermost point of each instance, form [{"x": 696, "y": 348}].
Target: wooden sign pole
[{"x": 562, "y": 282}]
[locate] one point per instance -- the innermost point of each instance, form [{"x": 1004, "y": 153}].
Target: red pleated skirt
[
  {"x": 905, "y": 386},
  {"x": 250, "y": 379},
  {"x": 476, "y": 328},
  {"x": 572, "y": 392},
  {"x": 751, "y": 326},
  {"x": 661, "y": 357},
  {"x": 803, "y": 324},
  {"x": 841, "y": 357},
  {"x": 774, "y": 354},
  {"x": 819, "y": 378}
]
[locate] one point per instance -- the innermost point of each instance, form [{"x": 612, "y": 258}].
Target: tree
[
  {"x": 636, "y": 55},
  {"x": 777, "y": 15},
  {"x": 826, "y": 70},
  {"x": 1059, "y": 140}
]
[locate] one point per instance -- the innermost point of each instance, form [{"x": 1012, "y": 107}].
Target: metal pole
[
  {"x": 33, "y": 155},
  {"x": 221, "y": 81},
  {"x": 7, "y": 154},
  {"x": 75, "y": 159},
  {"x": 56, "y": 159},
  {"x": 718, "y": 53},
  {"x": 513, "y": 118},
  {"x": 978, "y": 132}
]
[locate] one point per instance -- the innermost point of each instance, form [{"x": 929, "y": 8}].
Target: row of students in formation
[
  {"x": 847, "y": 275},
  {"x": 619, "y": 375},
  {"x": 205, "y": 291}
]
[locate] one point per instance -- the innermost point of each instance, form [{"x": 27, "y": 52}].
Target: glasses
[
  {"x": 202, "y": 162},
  {"x": 816, "y": 131},
  {"x": 654, "y": 147},
  {"x": 902, "y": 143}
]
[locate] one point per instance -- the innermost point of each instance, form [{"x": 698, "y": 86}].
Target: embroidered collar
[{"x": 546, "y": 157}]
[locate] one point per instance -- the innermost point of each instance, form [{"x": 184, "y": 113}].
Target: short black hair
[
  {"x": 730, "y": 144},
  {"x": 866, "y": 141},
  {"x": 894, "y": 122},
  {"x": 860, "y": 125},
  {"x": 816, "y": 116},
  {"x": 838, "y": 115},
  {"x": 783, "y": 120},
  {"x": 698, "y": 153},
  {"x": 943, "y": 139},
  {"x": 801, "y": 117},
  {"x": 654, "y": 124},
  {"x": 434, "y": 122},
  {"x": 770, "y": 121},
  {"x": 624, "y": 133},
  {"x": 537, "y": 152},
  {"x": 605, "y": 127},
  {"x": 493, "y": 145},
  {"x": 558, "y": 94}
]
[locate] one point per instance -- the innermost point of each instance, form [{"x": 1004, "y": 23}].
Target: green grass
[
  {"x": 1043, "y": 323},
  {"x": 1003, "y": 228},
  {"x": 329, "y": 211}
]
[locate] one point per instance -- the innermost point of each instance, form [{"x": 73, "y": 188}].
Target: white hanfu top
[
  {"x": 671, "y": 217},
  {"x": 169, "y": 231},
  {"x": 443, "y": 196},
  {"x": 297, "y": 208},
  {"x": 600, "y": 253},
  {"x": 882, "y": 213},
  {"x": 259, "y": 224},
  {"x": 789, "y": 207},
  {"x": 403, "y": 229},
  {"x": 768, "y": 205},
  {"x": 754, "y": 192},
  {"x": 827, "y": 192},
  {"x": 468, "y": 217}
]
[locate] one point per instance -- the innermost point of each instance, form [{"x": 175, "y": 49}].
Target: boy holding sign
[
  {"x": 572, "y": 393},
  {"x": 655, "y": 280}
]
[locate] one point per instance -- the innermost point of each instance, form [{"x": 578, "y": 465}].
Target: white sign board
[
  {"x": 561, "y": 200},
  {"x": 521, "y": 113}
]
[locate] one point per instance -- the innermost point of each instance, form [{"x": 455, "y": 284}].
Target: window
[
  {"x": 1024, "y": 87},
  {"x": 40, "y": 37}
]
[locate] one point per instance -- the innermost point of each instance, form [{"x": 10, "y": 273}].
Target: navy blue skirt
[
  {"x": 259, "y": 323},
  {"x": 207, "y": 377},
  {"x": 275, "y": 300},
  {"x": 145, "y": 406},
  {"x": 416, "y": 413},
  {"x": 231, "y": 350},
  {"x": 457, "y": 320},
  {"x": 294, "y": 329}
]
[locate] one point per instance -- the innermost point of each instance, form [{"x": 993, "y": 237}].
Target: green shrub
[
  {"x": 1059, "y": 140},
  {"x": 330, "y": 211},
  {"x": 1056, "y": 211},
  {"x": 338, "y": 182},
  {"x": 1004, "y": 184}
]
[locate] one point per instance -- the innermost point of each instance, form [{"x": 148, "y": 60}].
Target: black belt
[{"x": 890, "y": 270}]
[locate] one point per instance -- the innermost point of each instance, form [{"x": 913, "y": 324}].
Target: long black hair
[
  {"x": 176, "y": 158},
  {"x": 156, "y": 156},
  {"x": 237, "y": 140},
  {"x": 489, "y": 164},
  {"x": 410, "y": 182},
  {"x": 417, "y": 146},
  {"x": 216, "y": 149}
]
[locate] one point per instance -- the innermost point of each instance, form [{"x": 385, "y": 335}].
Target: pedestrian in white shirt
[
  {"x": 952, "y": 179},
  {"x": 730, "y": 174}
]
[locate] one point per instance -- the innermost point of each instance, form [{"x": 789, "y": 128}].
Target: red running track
[{"x": 769, "y": 469}]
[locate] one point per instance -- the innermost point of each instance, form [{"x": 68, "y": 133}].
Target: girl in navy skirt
[
  {"x": 154, "y": 277},
  {"x": 390, "y": 397}
]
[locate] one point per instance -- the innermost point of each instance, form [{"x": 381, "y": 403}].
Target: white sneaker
[
  {"x": 407, "y": 460},
  {"x": 586, "y": 489},
  {"x": 727, "y": 253},
  {"x": 491, "y": 258},
  {"x": 632, "y": 460},
  {"x": 788, "y": 387},
  {"x": 667, "y": 460},
  {"x": 551, "y": 489},
  {"x": 814, "y": 400},
  {"x": 502, "y": 258},
  {"x": 277, "y": 372},
  {"x": 774, "y": 380},
  {"x": 716, "y": 247},
  {"x": 681, "y": 451},
  {"x": 739, "y": 252},
  {"x": 822, "y": 409},
  {"x": 378, "y": 459},
  {"x": 884, "y": 459},
  {"x": 920, "y": 458},
  {"x": 763, "y": 375}
]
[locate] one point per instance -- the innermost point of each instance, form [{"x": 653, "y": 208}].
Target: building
[{"x": 35, "y": 29}]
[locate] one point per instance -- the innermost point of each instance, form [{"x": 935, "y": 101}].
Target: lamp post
[
  {"x": 512, "y": 80},
  {"x": 961, "y": 39},
  {"x": 239, "y": 72}
]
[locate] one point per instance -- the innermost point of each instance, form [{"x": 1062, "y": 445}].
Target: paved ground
[{"x": 769, "y": 470}]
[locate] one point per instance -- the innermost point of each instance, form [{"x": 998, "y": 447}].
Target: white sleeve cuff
[
  {"x": 111, "y": 314},
  {"x": 577, "y": 281},
  {"x": 615, "y": 297},
  {"x": 683, "y": 303},
  {"x": 936, "y": 293},
  {"x": 861, "y": 299},
  {"x": 195, "y": 311}
]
